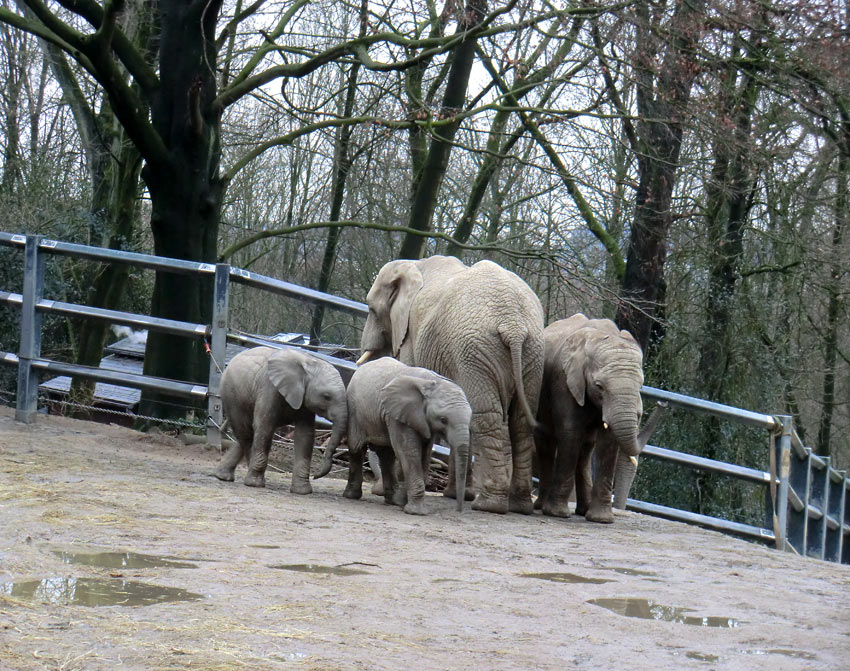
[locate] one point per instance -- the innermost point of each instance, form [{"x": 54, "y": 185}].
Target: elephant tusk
[
  {"x": 365, "y": 357},
  {"x": 605, "y": 425},
  {"x": 634, "y": 460}
]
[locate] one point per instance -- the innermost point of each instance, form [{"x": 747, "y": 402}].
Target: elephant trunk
[
  {"x": 623, "y": 478},
  {"x": 623, "y": 425},
  {"x": 651, "y": 424},
  {"x": 627, "y": 465},
  {"x": 340, "y": 426},
  {"x": 459, "y": 441}
]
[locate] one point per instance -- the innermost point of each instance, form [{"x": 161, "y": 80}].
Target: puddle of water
[
  {"x": 95, "y": 592},
  {"x": 564, "y": 577},
  {"x": 701, "y": 657},
  {"x": 798, "y": 654},
  {"x": 627, "y": 571},
  {"x": 649, "y": 610},
  {"x": 317, "y": 568},
  {"x": 120, "y": 560}
]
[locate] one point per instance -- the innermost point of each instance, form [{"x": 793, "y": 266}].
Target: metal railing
[{"x": 808, "y": 509}]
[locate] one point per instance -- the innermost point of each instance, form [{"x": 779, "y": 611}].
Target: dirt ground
[{"x": 445, "y": 591}]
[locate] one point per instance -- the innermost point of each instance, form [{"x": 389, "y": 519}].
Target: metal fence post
[
  {"x": 835, "y": 516},
  {"x": 30, "y": 345},
  {"x": 782, "y": 447},
  {"x": 218, "y": 351}
]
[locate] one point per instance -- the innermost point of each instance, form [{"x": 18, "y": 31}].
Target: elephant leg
[
  {"x": 354, "y": 486},
  {"x": 491, "y": 475},
  {"x": 450, "y": 490},
  {"x": 394, "y": 492},
  {"x": 407, "y": 446},
  {"x": 375, "y": 465},
  {"x": 259, "y": 459},
  {"x": 583, "y": 482},
  {"x": 244, "y": 433},
  {"x": 522, "y": 451},
  {"x": 227, "y": 466},
  {"x": 603, "y": 482},
  {"x": 557, "y": 503},
  {"x": 304, "y": 442}
]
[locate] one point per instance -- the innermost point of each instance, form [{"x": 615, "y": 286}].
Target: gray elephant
[
  {"x": 399, "y": 411},
  {"x": 264, "y": 388},
  {"x": 590, "y": 401},
  {"x": 482, "y": 327}
]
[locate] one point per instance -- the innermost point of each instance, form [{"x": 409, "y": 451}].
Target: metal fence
[{"x": 807, "y": 509}]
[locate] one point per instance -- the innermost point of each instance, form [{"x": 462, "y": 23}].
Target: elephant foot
[
  {"x": 521, "y": 503},
  {"x": 490, "y": 504},
  {"x": 450, "y": 492},
  {"x": 581, "y": 509},
  {"x": 415, "y": 508},
  {"x": 224, "y": 474},
  {"x": 352, "y": 492},
  {"x": 601, "y": 515},
  {"x": 396, "y": 498},
  {"x": 254, "y": 480},
  {"x": 378, "y": 488},
  {"x": 301, "y": 487},
  {"x": 538, "y": 503},
  {"x": 556, "y": 510}
]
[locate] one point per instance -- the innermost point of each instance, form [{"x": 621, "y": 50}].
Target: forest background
[{"x": 680, "y": 166}]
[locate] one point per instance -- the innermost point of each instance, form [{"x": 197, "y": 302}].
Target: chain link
[{"x": 124, "y": 413}]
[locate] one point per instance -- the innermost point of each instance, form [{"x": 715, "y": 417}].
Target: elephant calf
[
  {"x": 590, "y": 401},
  {"x": 264, "y": 388},
  {"x": 399, "y": 411}
]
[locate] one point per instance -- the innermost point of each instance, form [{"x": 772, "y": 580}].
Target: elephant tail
[{"x": 516, "y": 344}]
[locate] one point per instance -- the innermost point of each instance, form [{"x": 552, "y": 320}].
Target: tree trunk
[
  {"x": 186, "y": 192},
  {"x": 342, "y": 160},
  {"x": 435, "y": 164},
  {"x": 835, "y": 301},
  {"x": 662, "y": 100}
]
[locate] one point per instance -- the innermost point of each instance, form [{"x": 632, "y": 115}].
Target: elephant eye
[
  {"x": 327, "y": 396},
  {"x": 444, "y": 420}
]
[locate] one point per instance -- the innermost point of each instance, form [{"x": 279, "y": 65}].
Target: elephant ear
[
  {"x": 404, "y": 283},
  {"x": 573, "y": 360},
  {"x": 286, "y": 372},
  {"x": 403, "y": 399}
]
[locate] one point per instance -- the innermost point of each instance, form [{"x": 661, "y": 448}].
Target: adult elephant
[
  {"x": 590, "y": 402},
  {"x": 482, "y": 327}
]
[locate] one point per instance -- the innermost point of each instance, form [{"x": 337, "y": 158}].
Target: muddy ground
[{"x": 424, "y": 593}]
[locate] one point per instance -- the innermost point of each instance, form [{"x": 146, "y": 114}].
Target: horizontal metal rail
[
  {"x": 718, "y": 409},
  {"x": 716, "y": 523},
  {"x": 705, "y": 464},
  {"x": 148, "y": 261},
  {"x": 162, "y": 263},
  {"x": 255, "y": 341},
  {"x": 113, "y": 316},
  {"x": 296, "y": 291},
  {"x": 186, "y": 389}
]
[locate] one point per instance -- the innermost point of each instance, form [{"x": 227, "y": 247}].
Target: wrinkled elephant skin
[{"x": 482, "y": 327}]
